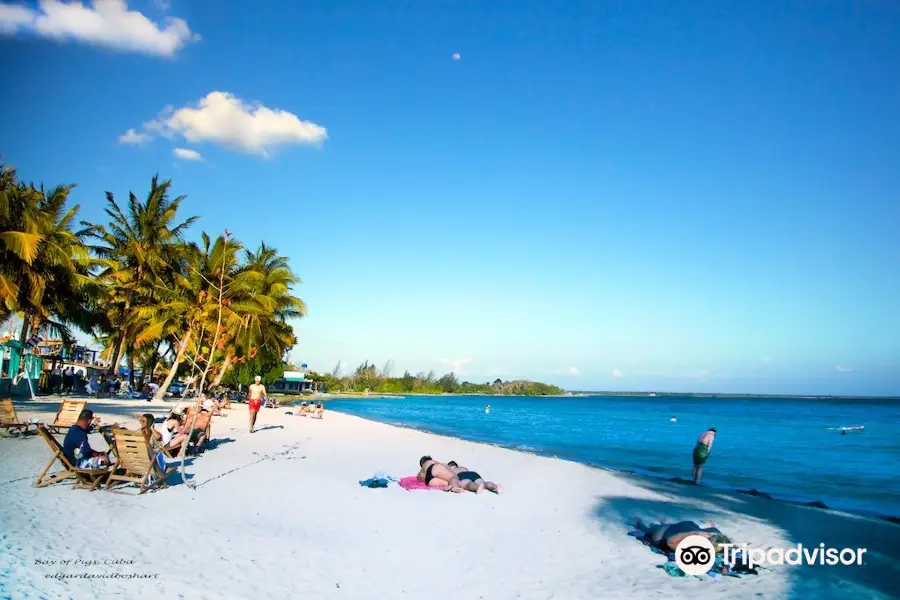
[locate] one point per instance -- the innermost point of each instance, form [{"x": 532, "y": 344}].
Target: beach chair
[
  {"x": 89, "y": 479},
  {"x": 67, "y": 415},
  {"x": 9, "y": 420},
  {"x": 192, "y": 414},
  {"x": 137, "y": 462}
]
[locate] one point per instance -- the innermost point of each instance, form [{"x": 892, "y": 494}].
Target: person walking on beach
[
  {"x": 701, "y": 452},
  {"x": 257, "y": 392}
]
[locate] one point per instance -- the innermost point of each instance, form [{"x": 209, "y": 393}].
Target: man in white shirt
[
  {"x": 56, "y": 376},
  {"x": 69, "y": 379}
]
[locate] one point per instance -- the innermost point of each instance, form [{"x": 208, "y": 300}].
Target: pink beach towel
[{"x": 411, "y": 483}]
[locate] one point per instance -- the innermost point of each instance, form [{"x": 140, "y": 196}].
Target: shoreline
[
  {"x": 296, "y": 523},
  {"x": 807, "y": 502}
]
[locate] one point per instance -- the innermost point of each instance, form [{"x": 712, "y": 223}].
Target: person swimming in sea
[
  {"x": 701, "y": 452},
  {"x": 487, "y": 409}
]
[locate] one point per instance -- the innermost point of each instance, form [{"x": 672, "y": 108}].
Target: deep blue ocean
[{"x": 789, "y": 448}]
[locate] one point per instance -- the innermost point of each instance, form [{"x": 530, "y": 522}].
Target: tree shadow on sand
[
  {"x": 268, "y": 427},
  {"x": 878, "y": 575},
  {"x": 128, "y": 412}
]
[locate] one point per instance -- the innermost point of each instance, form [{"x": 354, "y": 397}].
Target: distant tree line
[{"x": 368, "y": 377}]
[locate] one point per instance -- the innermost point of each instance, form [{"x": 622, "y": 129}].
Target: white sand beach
[{"x": 280, "y": 514}]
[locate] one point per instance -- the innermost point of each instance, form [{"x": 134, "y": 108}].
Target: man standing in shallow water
[
  {"x": 256, "y": 393},
  {"x": 701, "y": 452}
]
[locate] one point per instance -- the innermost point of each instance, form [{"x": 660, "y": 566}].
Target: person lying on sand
[
  {"x": 464, "y": 480},
  {"x": 667, "y": 536},
  {"x": 434, "y": 473}
]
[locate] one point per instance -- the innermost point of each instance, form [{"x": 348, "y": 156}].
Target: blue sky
[{"x": 686, "y": 196}]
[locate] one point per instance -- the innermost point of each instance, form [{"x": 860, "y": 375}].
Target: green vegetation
[
  {"x": 213, "y": 310},
  {"x": 367, "y": 377}
]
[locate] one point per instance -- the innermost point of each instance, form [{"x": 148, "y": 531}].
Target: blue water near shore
[{"x": 787, "y": 447}]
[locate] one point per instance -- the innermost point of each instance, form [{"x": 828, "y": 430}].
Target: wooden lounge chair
[
  {"x": 137, "y": 462},
  {"x": 9, "y": 421},
  {"x": 67, "y": 415},
  {"x": 90, "y": 479}
]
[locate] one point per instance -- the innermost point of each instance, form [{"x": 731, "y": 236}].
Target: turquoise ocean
[{"x": 791, "y": 448}]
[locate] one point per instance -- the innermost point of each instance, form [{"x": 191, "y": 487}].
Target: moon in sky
[{"x": 456, "y": 56}]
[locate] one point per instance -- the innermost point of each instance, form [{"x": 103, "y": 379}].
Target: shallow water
[{"x": 788, "y": 447}]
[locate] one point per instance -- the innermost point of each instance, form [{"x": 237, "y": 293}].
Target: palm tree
[
  {"x": 44, "y": 264},
  {"x": 263, "y": 311},
  {"x": 192, "y": 306},
  {"x": 140, "y": 248}
]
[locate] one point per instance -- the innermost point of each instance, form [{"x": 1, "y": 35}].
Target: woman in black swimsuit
[
  {"x": 465, "y": 480},
  {"x": 433, "y": 473}
]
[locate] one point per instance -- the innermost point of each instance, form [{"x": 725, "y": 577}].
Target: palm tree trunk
[
  {"x": 26, "y": 325},
  {"x": 182, "y": 347},
  {"x": 131, "y": 368},
  {"x": 117, "y": 356},
  {"x": 226, "y": 365},
  {"x": 215, "y": 340}
]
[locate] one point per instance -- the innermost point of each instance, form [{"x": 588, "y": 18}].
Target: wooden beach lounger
[
  {"x": 67, "y": 415},
  {"x": 90, "y": 479},
  {"x": 9, "y": 421},
  {"x": 137, "y": 462}
]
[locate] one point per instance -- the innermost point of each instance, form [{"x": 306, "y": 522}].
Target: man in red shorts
[{"x": 257, "y": 392}]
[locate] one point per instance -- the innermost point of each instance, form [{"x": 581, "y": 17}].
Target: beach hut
[
  {"x": 295, "y": 381},
  {"x": 16, "y": 359}
]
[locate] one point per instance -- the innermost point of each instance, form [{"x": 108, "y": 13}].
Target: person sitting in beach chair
[
  {"x": 198, "y": 427},
  {"x": 172, "y": 434},
  {"x": 76, "y": 447},
  {"x": 464, "y": 479},
  {"x": 271, "y": 402},
  {"x": 434, "y": 473},
  {"x": 667, "y": 536},
  {"x": 319, "y": 411},
  {"x": 304, "y": 409},
  {"x": 154, "y": 437}
]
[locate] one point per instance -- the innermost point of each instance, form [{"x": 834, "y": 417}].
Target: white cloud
[
  {"x": 186, "y": 154},
  {"x": 617, "y": 373},
  {"x": 456, "y": 363},
  {"x": 843, "y": 369},
  {"x": 106, "y": 23},
  {"x": 133, "y": 137},
  {"x": 14, "y": 17},
  {"x": 223, "y": 119},
  {"x": 162, "y": 4}
]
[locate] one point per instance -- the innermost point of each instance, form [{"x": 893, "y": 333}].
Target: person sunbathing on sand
[
  {"x": 434, "y": 473},
  {"x": 465, "y": 479},
  {"x": 667, "y": 536}
]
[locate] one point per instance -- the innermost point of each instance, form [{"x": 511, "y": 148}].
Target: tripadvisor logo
[{"x": 695, "y": 555}]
